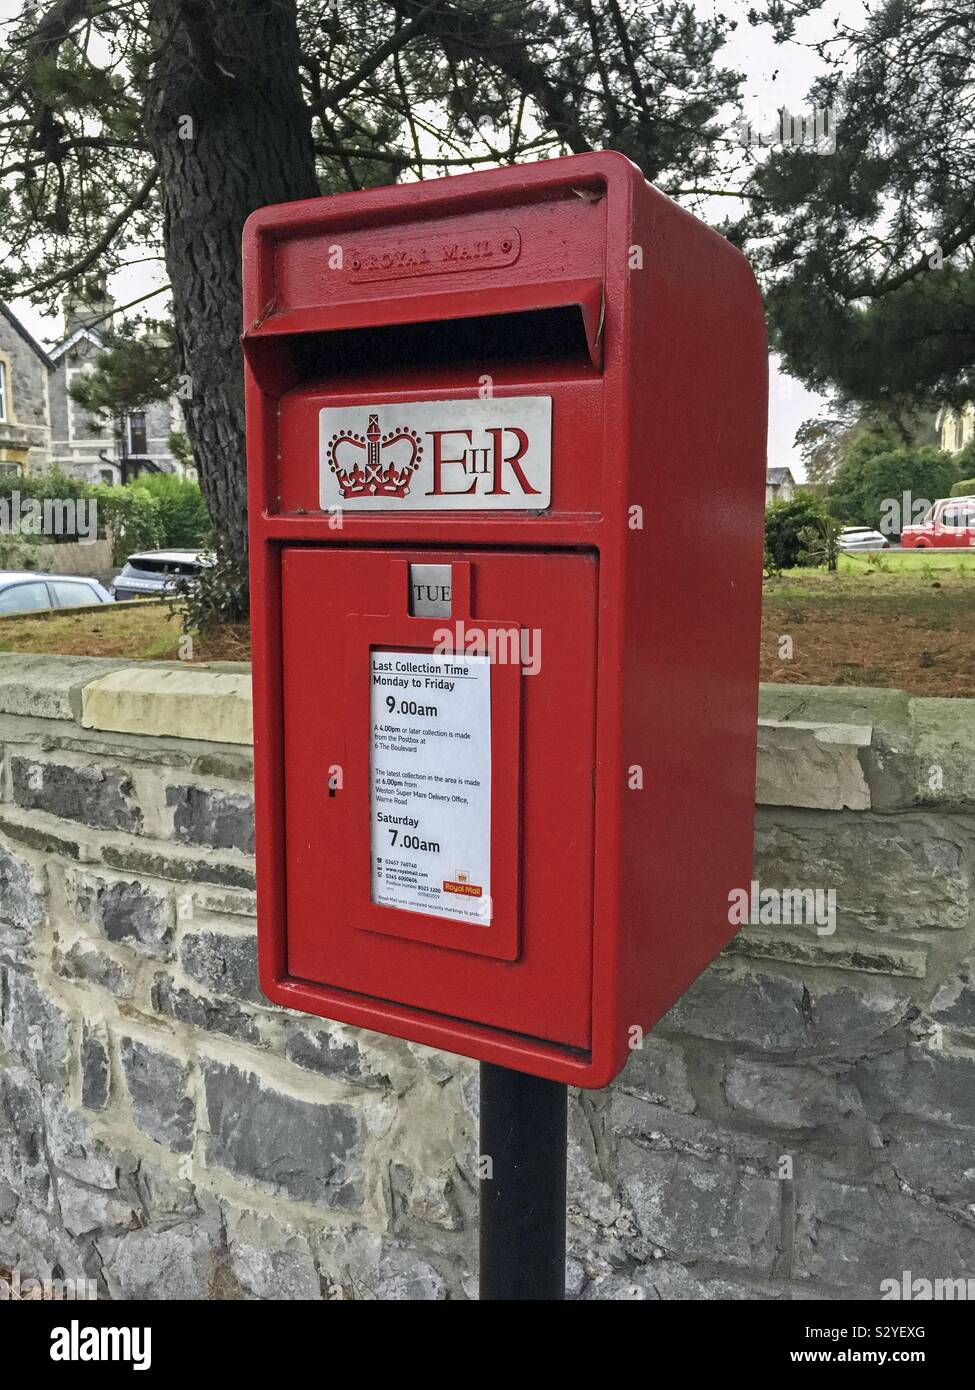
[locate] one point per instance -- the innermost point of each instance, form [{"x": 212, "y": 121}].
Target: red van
[{"x": 950, "y": 522}]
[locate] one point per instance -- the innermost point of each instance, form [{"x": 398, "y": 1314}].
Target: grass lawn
[
  {"x": 907, "y": 625},
  {"x": 908, "y": 562},
  {"x": 904, "y": 622},
  {"x": 147, "y": 632}
]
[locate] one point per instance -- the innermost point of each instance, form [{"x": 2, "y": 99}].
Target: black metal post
[{"x": 522, "y": 1193}]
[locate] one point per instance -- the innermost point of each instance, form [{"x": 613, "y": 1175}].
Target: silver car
[
  {"x": 152, "y": 573},
  {"x": 26, "y": 591},
  {"x": 856, "y": 538}
]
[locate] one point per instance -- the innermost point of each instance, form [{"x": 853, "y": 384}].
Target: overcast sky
[{"x": 775, "y": 77}]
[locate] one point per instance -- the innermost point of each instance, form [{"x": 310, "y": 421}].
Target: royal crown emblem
[{"x": 374, "y": 464}]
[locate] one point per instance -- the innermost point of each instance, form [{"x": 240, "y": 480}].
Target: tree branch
[
  {"x": 70, "y": 272},
  {"x": 877, "y": 289},
  {"x": 376, "y": 59}
]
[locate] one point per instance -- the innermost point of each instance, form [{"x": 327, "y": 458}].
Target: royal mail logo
[
  {"x": 438, "y": 455},
  {"x": 434, "y": 254},
  {"x": 374, "y": 464}
]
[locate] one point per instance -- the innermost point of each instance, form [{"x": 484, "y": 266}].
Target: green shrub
[
  {"x": 40, "y": 487},
  {"x": 966, "y": 488},
  {"x": 819, "y": 543},
  {"x": 18, "y": 552},
  {"x": 134, "y": 518},
  {"x": 183, "y": 514},
  {"x": 788, "y": 528},
  {"x": 53, "y": 483},
  {"x": 215, "y": 596}
]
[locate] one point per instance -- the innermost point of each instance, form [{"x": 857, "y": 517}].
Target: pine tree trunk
[{"x": 230, "y": 133}]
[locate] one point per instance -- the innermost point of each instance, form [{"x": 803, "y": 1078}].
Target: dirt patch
[
  {"x": 231, "y": 643},
  {"x": 146, "y": 632},
  {"x": 834, "y": 630}
]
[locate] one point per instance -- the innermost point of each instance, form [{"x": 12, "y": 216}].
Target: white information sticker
[{"x": 431, "y": 784}]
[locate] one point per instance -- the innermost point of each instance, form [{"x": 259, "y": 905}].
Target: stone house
[
  {"x": 25, "y": 427},
  {"x": 95, "y": 450},
  {"x": 780, "y": 485},
  {"x": 956, "y": 428}
]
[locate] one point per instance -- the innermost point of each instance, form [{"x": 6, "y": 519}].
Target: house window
[
  {"x": 138, "y": 438},
  {"x": 3, "y": 391}
]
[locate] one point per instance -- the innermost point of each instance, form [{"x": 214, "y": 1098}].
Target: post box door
[{"x": 439, "y": 807}]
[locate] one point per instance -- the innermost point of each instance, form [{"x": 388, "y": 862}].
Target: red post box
[{"x": 506, "y": 446}]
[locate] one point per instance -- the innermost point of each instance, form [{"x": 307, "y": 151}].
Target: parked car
[
  {"x": 153, "y": 573},
  {"x": 29, "y": 592},
  {"x": 950, "y": 522},
  {"x": 856, "y": 538}
]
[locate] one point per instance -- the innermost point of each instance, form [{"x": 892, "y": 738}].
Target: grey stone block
[
  {"x": 765, "y": 1011},
  {"x": 212, "y": 819},
  {"x": 84, "y": 961},
  {"x": 405, "y": 1277},
  {"x": 213, "y": 1015},
  {"x": 157, "y": 1084},
  {"x": 237, "y": 767},
  {"x": 954, "y": 1003},
  {"x": 23, "y": 1157},
  {"x": 48, "y": 838},
  {"x": 332, "y": 1051},
  {"x": 775, "y": 1014},
  {"x": 810, "y": 764},
  {"x": 181, "y": 868},
  {"x": 174, "y": 1264},
  {"x": 789, "y": 1097},
  {"x": 129, "y": 912},
  {"x": 22, "y": 908},
  {"x": 358, "y": 1264},
  {"x": 33, "y": 1027},
  {"x": 95, "y": 1069},
  {"x": 943, "y": 740},
  {"x": 427, "y": 1198},
  {"x": 665, "y": 1281},
  {"x": 854, "y": 1236},
  {"x": 692, "y": 1210},
  {"x": 899, "y": 875},
  {"x": 799, "y": 945},
  {"x": 658, "y": 1072},
  {"x": 304, "y": 1151},
  {"x": 85, "y": 1210},
  {"x": 102, "y": 797},
  {"x": 73, "y": 1149},
  {"x": 934, "y": 1162},
  {"x": 269, "y": 1259},
  {"x": 223, "y": 963},
  {"x": 48, "y": 687},
  {"x": 924, "y": 1082}
]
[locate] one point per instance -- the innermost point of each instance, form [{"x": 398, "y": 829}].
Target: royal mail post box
[{"x": 506, "y": 452}]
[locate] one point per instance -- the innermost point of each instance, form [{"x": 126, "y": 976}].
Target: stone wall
[
  {"x": 25, "y": 435},
  {"x": 800, "y": 1125},
  {"x": 92, "y": 559}
]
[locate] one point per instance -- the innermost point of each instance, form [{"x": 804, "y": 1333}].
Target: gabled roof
[
  {"x": 58, "y": 351},
  {"x": 778, "y": 476},
  {"x": 32, "y": 343}
]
